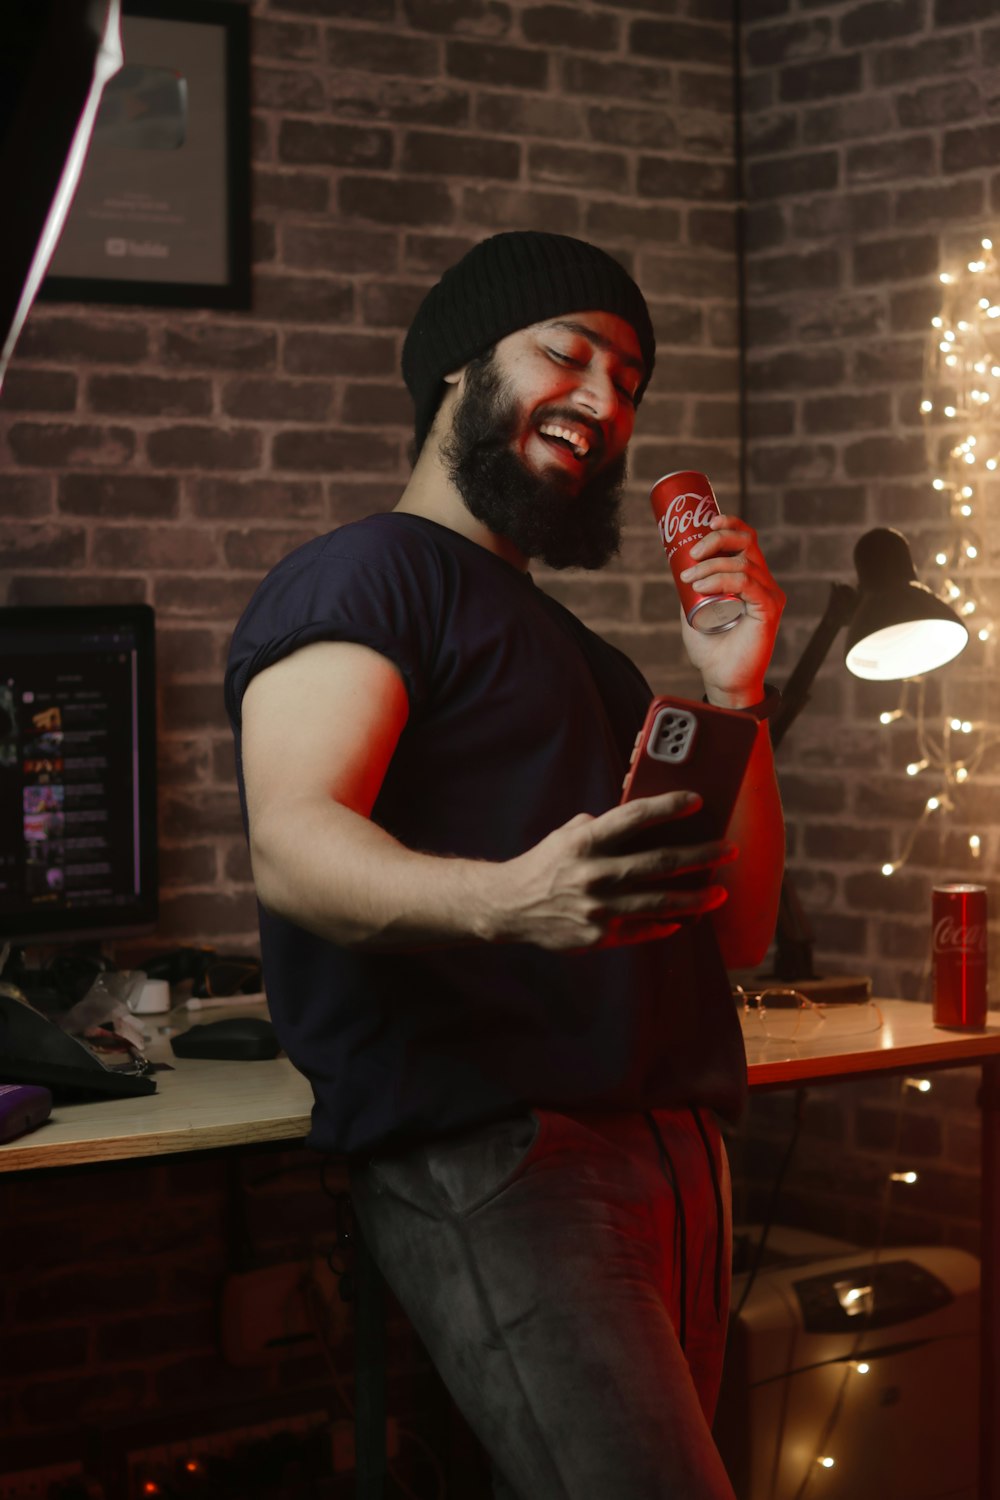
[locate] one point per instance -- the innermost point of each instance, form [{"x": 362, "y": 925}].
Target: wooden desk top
[{"x": 201, "y": 1105}]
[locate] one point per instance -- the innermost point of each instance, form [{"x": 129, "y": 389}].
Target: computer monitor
[{"x": 77, "y": 773}]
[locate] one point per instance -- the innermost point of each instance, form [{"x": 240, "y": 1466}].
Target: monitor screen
[{"x": 77, "y": 773}]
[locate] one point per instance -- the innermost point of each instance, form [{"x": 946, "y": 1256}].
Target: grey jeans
[{"x": 542, "y": 1261}]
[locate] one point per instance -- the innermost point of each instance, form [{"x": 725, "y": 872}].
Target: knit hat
[{"x": 506, "y": 283}]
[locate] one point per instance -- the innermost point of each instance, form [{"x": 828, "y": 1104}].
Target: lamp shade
[{"x": 900, "y": 627}]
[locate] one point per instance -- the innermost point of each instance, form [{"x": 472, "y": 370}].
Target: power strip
[{"x": 34, "y": 1484}]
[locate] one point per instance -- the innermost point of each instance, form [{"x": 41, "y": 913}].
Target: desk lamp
[{"x": 896, "y": 628}]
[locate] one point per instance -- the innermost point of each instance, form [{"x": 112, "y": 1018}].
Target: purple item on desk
[{"x": 23, "y": 1107}]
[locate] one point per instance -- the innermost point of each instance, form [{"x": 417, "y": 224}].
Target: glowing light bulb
[
  {"x": 961, "y": 773},
  {"x": 933, "y": 804},
  {"x": 991, "y": 463},
  {"x": 916, "y": 766},
  {"x": 967, "y": 492},
  {"x": 945, "y": 278},
  {"x": 939, "y": 323},
  {"x": 862, "y": 1367},
  {"x": 972, "y": 551},
  {"x": 941, "y": 558},
  {"x": 888, "y": 869},
  {"x": 955, "y": 724},
  {"x": 890, "y": 715},
  {"x": 966, "y": 726},
  {"x": 938, "y": 484},
  {"x": 969, "y": 607},
  {"x": 966, "y": 510},
  {"x": 922, "y": 1085},
  {"x": 907, "y": 1177},
  {"x": 952, "y": 359},
  {"x": 826, "y": 1462},
  {"x": 949, "y": 411},
  {"x": 986, "y": 244},
  {"x": 975, "y": 844},
  {"x": 950, "y": 336},
  {"x": 984, "y": 302},
  {"x": 970, "y": 458},
  {"x": 984, "y": 634},
  {"x": 963, "y": 327},
  {"x": 927, "y": 406}
]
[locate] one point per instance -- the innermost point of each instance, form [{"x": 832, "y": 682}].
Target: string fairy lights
[{"x": 960, "y": 410}]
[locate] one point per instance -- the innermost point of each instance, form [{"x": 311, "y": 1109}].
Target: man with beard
[{"x": 521, "y": 1036}]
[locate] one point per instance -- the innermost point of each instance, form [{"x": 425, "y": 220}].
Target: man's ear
[{"x": 454, "y": 377}]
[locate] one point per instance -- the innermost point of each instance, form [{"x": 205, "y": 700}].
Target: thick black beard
[{"x": 544, "y": 515}]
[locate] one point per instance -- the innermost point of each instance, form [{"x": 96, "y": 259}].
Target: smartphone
[{"x": 694, "y": 747}]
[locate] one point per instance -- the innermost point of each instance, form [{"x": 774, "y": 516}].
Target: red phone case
[{"x": 695, "y": 747}]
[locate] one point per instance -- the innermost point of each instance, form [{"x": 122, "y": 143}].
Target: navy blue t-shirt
[{"x": 519, "y": 718}]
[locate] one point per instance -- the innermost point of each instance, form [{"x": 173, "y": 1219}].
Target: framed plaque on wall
[{"x": 162, "y": 211}]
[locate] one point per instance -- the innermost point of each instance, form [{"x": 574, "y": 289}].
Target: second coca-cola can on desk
[
  {"x": 684, "y": 504},
  {"x": 959, "y": 927}
]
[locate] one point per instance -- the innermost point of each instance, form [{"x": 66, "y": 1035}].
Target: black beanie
[{"x": 505, "y": 283}]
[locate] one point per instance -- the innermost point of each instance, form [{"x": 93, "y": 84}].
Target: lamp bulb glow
[
  {"x": 975, "y": 844},
  {"x": 907, "y": 1177},
  {"x": 826, "y": 1462},
  {"x": 888, "y": 869},
  {"x": 922, "y": 1085},
  {"x": 933, "y": 804},
  {"x": 927, "y": 406},
  {"x": 862, "y": 1367}
]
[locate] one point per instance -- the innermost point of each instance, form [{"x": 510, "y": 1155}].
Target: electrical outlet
[{"x": 34, "y": 1484}]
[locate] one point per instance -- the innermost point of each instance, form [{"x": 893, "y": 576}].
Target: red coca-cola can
[
  {"x": 683, "y": 505},
  {"x": 959, "y": 924}
]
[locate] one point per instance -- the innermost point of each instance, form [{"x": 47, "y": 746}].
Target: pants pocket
[{"x": 461, "y": 1173}]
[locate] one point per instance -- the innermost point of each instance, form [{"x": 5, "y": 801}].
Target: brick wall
[
  {"x": 174, "y": 457},
  {"x": 871, "y": 138}
]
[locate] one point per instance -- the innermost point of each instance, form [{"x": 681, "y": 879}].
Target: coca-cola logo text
[
  {"x": 686, "y": 513},
  {"x": 952, "y": 936}
]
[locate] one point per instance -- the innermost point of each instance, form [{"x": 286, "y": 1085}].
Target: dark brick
[
  {"x": 24, "y": 495},
  {"x": 460, "y": 155},
  {"x": 313, "y": 143},
  {"x": 570, "y": 167},
  {"x": 268, "y": 400},
  {"x": 954, "y": 202},
  {"x": 989, "y": 42},
  {"x": 434, "y": 253},
  {"x": 889, "y": 161},
  {"x": 336, "y": 248},
  {"x": 454, "y": 17},
  {"x": 874, "y": 458},
  {"x": 765, "y": 227},
  {"x": 408, "y": 100},
  {"x": 675, "y": 323},
  {"x": 619, "y": 125},
  {"x": 397, "y": 203},
  {"x": 246, "y": 499},
  {"x": 382, "y": 52},
  {"x": 66, "y": 588},
  {"x": 499, "y": 208},
  {"x": 632, "y": 81},
  {"x": 847, "y": 413},
  {"x": 305, "y": 451},
  {"x": 810, "y": 270},
  {"x": 680, "y": 275},
  {"x": 69, "y": 339},
  {"x": 569, "y": 26},
  {"x": 220, "y": 346},
  {"x": 390, "y": 304},
  {"x": 712, "y": 227},
  {"x": 880, "y": 21},
  {"x": 610, "y": 220},
  {"x": 965, "y": 150},
  {"x": 377, "y": 405},
  {"x": 263, "y": 241},
  {"x": 46, "y": 1351},
  {"x": 361, "y": 10},
  {"x": 527, "y": 114},
  {"x": 900, "y": 258},
  {"x": 294, "y": 192},
  {"x": 149, "y": 496},
  {"x": 681, "y": 41},
  {"x": 149, "y": 396},
  {"x": 937, "y": 104},
  {"x": 159, "y": 547},
  {"x": 843, "y": 120},
  {"x": 339, "y": 354},
  {"x": 34, "y": 545},
  {"x": 187, "y": 651},
  {"x": 892, "y": 66},
  {"x": 38, "y": 390},
  {"x": 793, "y": 463},
  {"x": 286, "y": 88},
  {"x": 588, "y": 597},
  {"x": 219, "y": 597},
  {"x": 304, "y": 299},
  {"x": 773, "y": 131},
  {"x": 705, "y": 373},
  {"x": 810, "y": 794},
  {"x": 491, "y": 63},
  {"x": 698, "y": 89},
  {"x": 55, "y": 446},
  {"x": 767, "y": 46},
  {"x": 203, "y": 917},
  {"x": 963, "y": 12},
  {"x": 816, "y": 80},
  {"x": 887, "y": 362},
  {"x": 845, "y": 215},
  {"x": 259, "y": 550},
  {"x": 675, "y": 178},
  {"x": 811, "y": 172},
  {"x": 770, "y": 418},
  {"x": 287, "y": 41},
  {"x": 352, "y": 499},
  {"x": 189, "y": 447}
]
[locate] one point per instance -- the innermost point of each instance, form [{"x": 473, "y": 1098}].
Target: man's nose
[{"x": 597, "y": 396}]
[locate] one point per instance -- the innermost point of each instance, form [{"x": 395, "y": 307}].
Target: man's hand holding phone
[{"x": 583, "y": 887}]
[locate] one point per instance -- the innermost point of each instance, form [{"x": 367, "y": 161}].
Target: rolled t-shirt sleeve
[{"x": 357, "y": 584}]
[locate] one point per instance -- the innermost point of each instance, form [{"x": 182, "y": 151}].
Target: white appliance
[{"x": 850, "y": 1376}]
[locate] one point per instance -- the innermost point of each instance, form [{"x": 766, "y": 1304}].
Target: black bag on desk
[{"x": 33, "y": 1049}]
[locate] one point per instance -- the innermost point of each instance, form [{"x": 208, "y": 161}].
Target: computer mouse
[{"x": 236, "y": 1038}]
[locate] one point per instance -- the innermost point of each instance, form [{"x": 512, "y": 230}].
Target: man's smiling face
[{"x": 539, "y": 435}]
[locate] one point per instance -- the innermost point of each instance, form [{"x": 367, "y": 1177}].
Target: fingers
[{"x": 604, "y": 831}]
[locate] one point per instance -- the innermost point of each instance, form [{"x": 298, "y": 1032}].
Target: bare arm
[{"x": 319, "y": 731}]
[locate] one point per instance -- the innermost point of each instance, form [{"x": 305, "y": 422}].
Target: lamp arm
[{"x": 840, "y": 607}]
